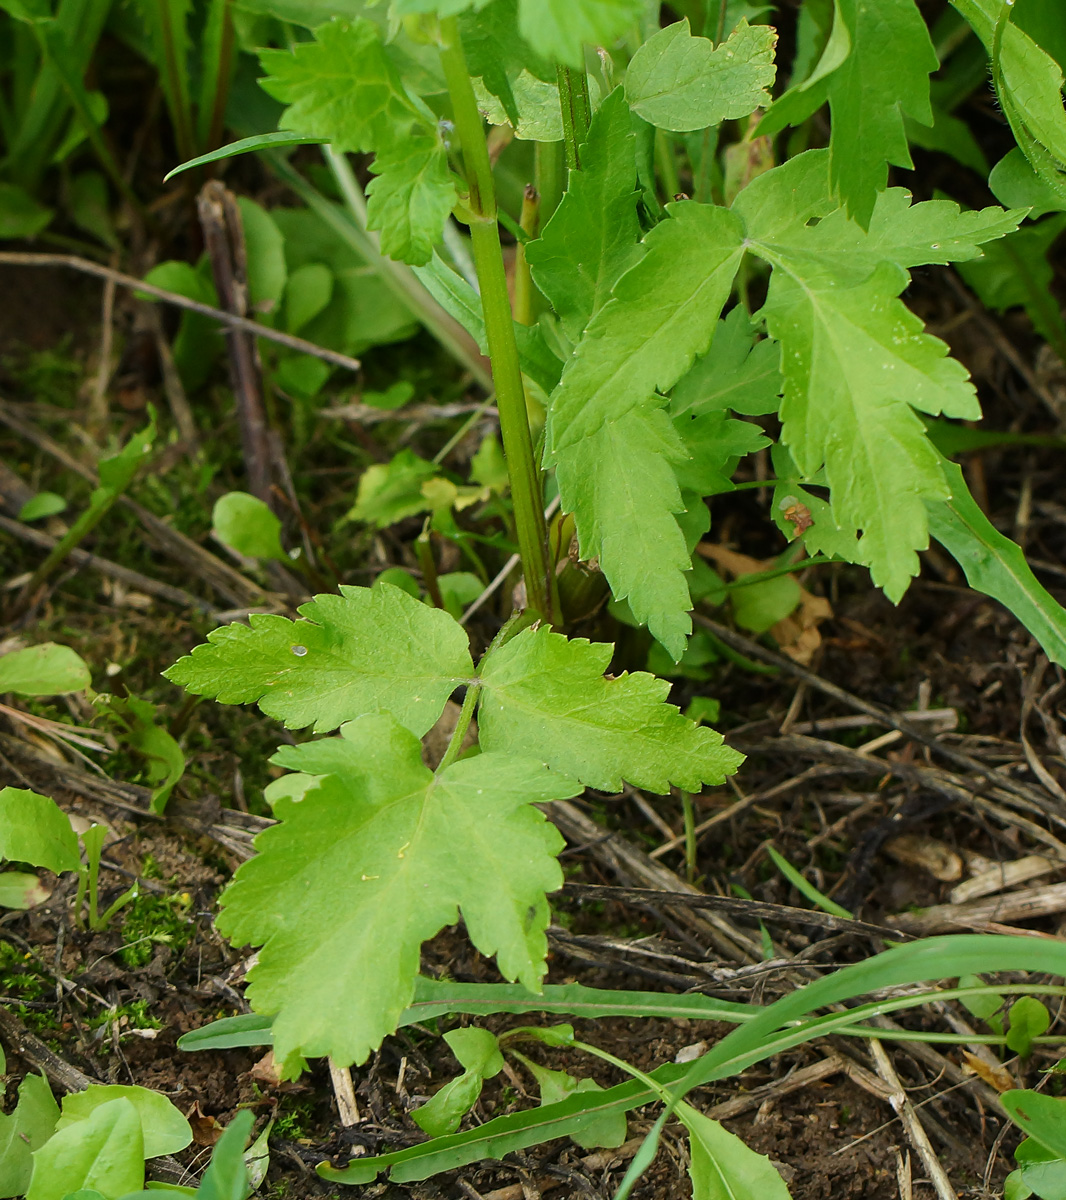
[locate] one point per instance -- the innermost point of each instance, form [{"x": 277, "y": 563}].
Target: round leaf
[
  {"x": 104, "y": 1153},
  {"x": 44, "y": 504},
  {"x": 247, "y": 525},
  {"x": 45, "y": 670},
  {"x": 35, "y": 830},
  {"x": 164, "y": 1129}
]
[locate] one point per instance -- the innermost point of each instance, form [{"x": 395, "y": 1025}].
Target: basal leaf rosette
[
  {"x": 373, "y": 860},
  {"x": 366, "y": 650}
]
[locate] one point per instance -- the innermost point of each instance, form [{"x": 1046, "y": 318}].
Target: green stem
[
  {"x": 577, "y": 112},
  {"x": 548, "y": 177},
  {"x": 689, "y": 814},
  {"x": 787, "y": 569},
  {"x": 176, "y": 85},
  {"x": 526, "y": 489},
  {"x": 523, "y": 281},
  {"x": 466, "y": 715}
]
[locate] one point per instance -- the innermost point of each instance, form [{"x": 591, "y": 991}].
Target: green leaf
[
  {"x": 44, "y": 504},
  {"x": 805, "y": 887},
  {"x": 680, "y": 82},
  {"x": 592, "y": 237},
  {"x": 20, "y": 891},
  {"x": 1014, "y": 182},
  {"x": 117, "y": 472},
  {"x": 1042, "y": 1117},
  {"x": 226, "y": 1177},
  {"x": 166, "y": 762},
  {"x": 89, "y": 205},
  {"x": 410, "y": 198},
  {"x": 265, "y": 251},
  {"x": 547, "y": 697},
  {"x": 20, "y": 215},
  {"x": 104, "y": 1153},
  {"x": 246, "y": 524},
  {"x": 21, "y": 1132},
  {"x": 855, "y": 360},
  {"x": 715, "y": 444},
  {"x": 722, "y": 1167},
  {"x": 608, "y": 437},
  {"x": 1042, "y": 1173},
  {"x": 164, "y": 1129},
  {"x": 249, "y": 1029},
  {"x": 366, "y": 650},
  {"x": 993, "y": 564},
  {"x": 307, "y": 293},
  {"x": 258, "y": 141},
  {"x": 35, "y": 830},
  {"x": 737, "y": 372},
  {"x": 390, "y": 491},
  {"x": 1028, "y": 1019},
  {"x": 591, "y": 1133},
  {"x": 558, "y": 29},
  {"x": 504, "y": 63},
  {"x": 371, "y": 862},
  {"x": 759, "y": 603},
  {"x": 479, "y": 1053},
  {"x": 344, "y": 88},
  {"x": 47, "y": 669}
]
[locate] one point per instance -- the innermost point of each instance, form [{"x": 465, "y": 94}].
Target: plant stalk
[
  {"x": 577, "y": 112},
  {"x": 526, "y": 489}
]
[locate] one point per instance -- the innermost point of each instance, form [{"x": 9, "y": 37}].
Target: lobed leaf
[
  {"x": 611, "y": 443},
  {"x": 559, "y": 29},
  {"x": 593, "y": 236},
  {"x": 371, "y": 862},
  {"x": 547, "y": 697},
  {"x": 366, "y": 650},
  {"x": 683, "y": 83}
]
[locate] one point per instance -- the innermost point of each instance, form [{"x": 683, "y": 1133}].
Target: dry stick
[
  {"x": 82, "y": 558},
  {"x": 882, "y": 715},
  {"x": 226, "y": 580},
  {"x": 917, "y": 1135},
  {"x": 629, "y": 863},
  {"x": 173, "y": 388},
  {"x": 344, "y": 1091},
  {"x": 224, "y": 238},
  {"x": 88, "y": 267},
  {"x": 97, "y": 417}
]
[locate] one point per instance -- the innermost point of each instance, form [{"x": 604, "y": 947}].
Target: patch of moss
[
  {"x": 18, "y": 976},
  {"x": 152, "y": 920},
  {"x": 295, "y": 1119}
]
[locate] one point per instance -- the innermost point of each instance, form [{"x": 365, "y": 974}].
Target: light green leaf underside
[
  {"x": 680, "y": 82},
  {"x": 995, "y": 565},
  {"x": 593, "y": 236},
  {"x": 607, "y": 435},
  {"x": 104, "y": 1153},
  {"x": 372, "y": 862},
  {"x": 547, "y": 697},
  {"x": 366, "y": 650},
  {"x": 559, "y": 29}
]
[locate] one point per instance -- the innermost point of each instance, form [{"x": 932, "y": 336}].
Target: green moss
[
  {"x": 294, "y": 1119},
  {"x": 152, "y": 920},
  {"x": 18, "y": 976}
]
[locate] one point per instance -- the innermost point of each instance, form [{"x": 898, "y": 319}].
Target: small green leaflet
[
  {"x": 479, "y": 1055},
  {"x": 995, "y": 565},
  {"x": 855, "y": 360},
  {"x": 344, "y": 89},
  {"x": 869, "y": 93},
  {"x": 372, "y": 862},
  {"x": 366, "y": 650},
  {"x": 723, "y": 1167},
  {"x": 547, "y": 697},
  {"x": 593, "y": 236},
  {"x": 680, "y": 82},
  {"x": 610, "y": 440},
  {"x": 559, "y": 29}
]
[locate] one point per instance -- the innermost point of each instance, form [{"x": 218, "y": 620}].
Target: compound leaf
[
  {"x": 593, "y": 236},
  {"x": 370, "y": 863},
  {"x": 343, "y": 88},
  {"x": 680, "y": 82},
  {"x": 546, "y": 696},
  {"x": 855, "y": 360},
  {"x": 35, "y": 830},
  {"x": 608, "y": 437},
  {"x": 558, "y": 29},
  {"x": 366, "y": 650}
]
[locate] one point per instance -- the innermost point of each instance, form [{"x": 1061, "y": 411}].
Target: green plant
[
  {"x": 96, "y": 1145},
  {"x": 647, "y": 385}
]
